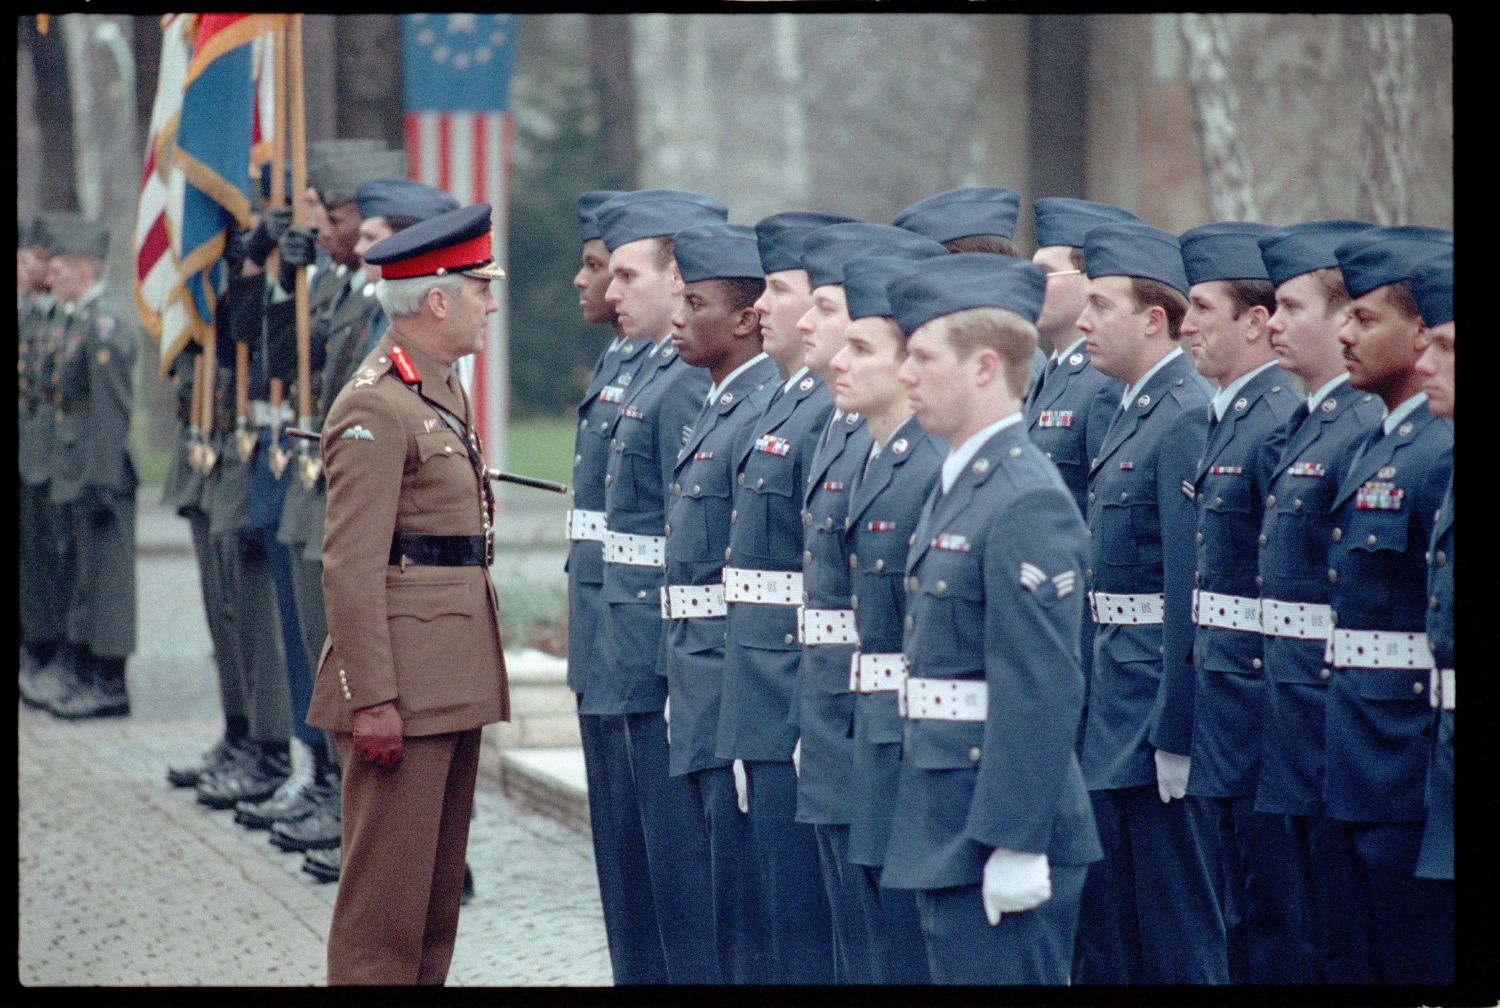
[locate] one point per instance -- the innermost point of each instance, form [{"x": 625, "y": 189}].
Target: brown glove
[{"x": 377, "y": 734}]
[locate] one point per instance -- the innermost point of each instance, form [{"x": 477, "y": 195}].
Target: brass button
[
  {"x": 1218, "y": 502},
  {"x": 641, "y": 593},
  {"x": 1297, "y": 504},
  {"x": 912, "y": 584},
  {"x": 1271, "y": 501},
  {"x": 1333, "y": 576},
  {"x": 1255, "y": 663},
  {"x": 577, "y": 459},
  {"x": 1124, "y": 496},
  {"x": 854, "y": 561},
  {"x": 807, "y": 556},
  {"x": 1324, "y": 674},
  {"x": 828, "y": 523},
  {"x": 760, "y": 482},
  {"x": 697, "y": 489},
  {"x": 668, "y": 530},
  {"x": 1416, "y": 688},
  {"x": 734, "y": 515},
  {"x": 1198, "y": 538},
  {"x": 974, "y": 754},
  {"x": 1435, "y": 605},
  {"x": 909, "y": 623},
  {"x": 854, "y": 603},
  {"x": 790, "y": 638},
  {"x": 1370, "y": 539},
  {"x": 1262, "y": 540},
  {"x": 1091, "y": 497},
  {"x": 941, "y": 587},
  {"x": 742, "y": 479},
  {"x": 727, "y": 551},
  {"x": 1442, "y": 558},
  {"x": 880, "y": 563},
  {"x": 1200, "y": 496},
  {"x": 1338, "y": 534},
  {"x": 608, "y": 480},
  {"x": 1259, "y": 582}
]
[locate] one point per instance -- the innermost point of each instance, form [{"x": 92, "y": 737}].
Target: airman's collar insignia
[
  {"x": 726, "y": 398},
  {"x": 1240, "y": 404},
  {"x": 1405, "y": 429},
  {"x": 805, "y": 384},
  {"x": 627, "y": 349},
  {"x": 981, "y": 466},
  {"x": 1143, "y": 401},
  {"x": 899, "y": 446},
  {"x": 1329, "y": 405},
  {"x": 851, "y": 419},
  {"x": 1076, "y": 359}
]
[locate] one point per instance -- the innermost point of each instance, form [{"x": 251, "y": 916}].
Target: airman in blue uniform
[
  {"x": 991, "y": 825},
  {"x": 619, "y": 849},
  {"x": 823, "y": 707},
  {"x": 1229, "y": 304},
  {"x": 1318, "y": 444},
  {"x": 898, "y": 474},
  {"x": 762, "y": 591},
  {"x": 653, "y": 423},
  {"x": 1138, "y": 733},
  {"x": 1379, "y": 728},
  {"x": 718, "y": 330}
]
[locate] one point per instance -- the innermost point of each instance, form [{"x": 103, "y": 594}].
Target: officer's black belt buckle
[{"x": 412, "y": 548}]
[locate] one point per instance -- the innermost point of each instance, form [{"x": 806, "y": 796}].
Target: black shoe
[
  {"x": 216, "y": 760},
  {"x": 319, "y": 831},
  {"x": 468, "y": 890},
  {"x": 256, "y": 782},
  {"x": 323, "y": 864},
  {"x": 97, "y": 698}
]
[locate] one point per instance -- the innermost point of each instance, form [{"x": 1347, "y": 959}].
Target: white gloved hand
[
  {"x": 666, "y": 715},
  {"x": 741, "y": 786},
  {"x": 1171, "y": 775},
  {"x": 1014, "y": 881},
  {"x": 797, "y": 757}
]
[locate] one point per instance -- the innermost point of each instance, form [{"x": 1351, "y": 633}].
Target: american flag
[
  {"x": 459, "y": 131},
  {"x": 159, "y": 211}
]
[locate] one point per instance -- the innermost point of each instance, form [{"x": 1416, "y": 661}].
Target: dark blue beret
[
  {"x": 455, "y": 242},
  {"x": 1387, "y": 255},
  {"x": 1432, "y": 287},
  {"x": 959, "y": 213},
  {"x": 826, "y": 250},
  {"x": 654, "y": 213},
  {"x": 929, "y": 288},
  {"x": 73, "y": 235},
  {"x": 780, "y": 236},
  {"x": 588, "y": 206},
  {"x": 1134, "y": 250},
  {"x": 1062, "y": 220},
  {"x": 1225, "y": 250},
  {"x": 717, "y": 251},
  {"x": 401, "y": 198},
  {"x": 1301, "y": 248}
]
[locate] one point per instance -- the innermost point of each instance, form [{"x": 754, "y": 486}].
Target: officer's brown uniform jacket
[{"x": 426, "y": 637}]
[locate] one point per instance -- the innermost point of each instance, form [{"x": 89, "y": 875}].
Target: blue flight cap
[
  {"x": 1225, "y": 250},
  {"x": 928, "y": 288},
  {"x": 401, "y": 198},
  {"x": 959, "y": 213},
  {"x": 455, "y": 242},
  {"x": 717, "y": 251},
  {"x": 780, "y": 236},
  {"x": 74, "y": 235},
  {"x": 1062, "y": 220},
  {"x": 1432, "y": 287},
  {"x": 866, "y": 280},
  {"x": 339, "y": 179},
  {"x": 654, "y": 213},
  {"x": 1301, "y": 248},
  {"x": 1134, "y": 250},
  {"x": 826, "y": 250},
  {"x": 1387, "y": 255},
  {"x": 588, "y": 206}
]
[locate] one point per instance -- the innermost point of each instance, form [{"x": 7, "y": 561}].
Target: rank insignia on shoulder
[
  {"x": 1226, "y": 470},
  {"x": 366, "y": 377},
  {"x": 1035, "y": 580},
  {"x": 1306, "y": 469},
  {"x": 880, "y": 526},
  {"x": 773, "y": 445},
  {"x": 1055, "y": 418},
  {"x": 357, "y": 433},
  {"x": 633, "y": 412},
  {"x": 1386, "y": 472},
  {"x": 951, "y": 541},
  {"x": 611, "y": 394},
  {"x": 805, "y": 384},
  {"x": 1329, "y": 405},
  {"x": 833, "y": 486},
  {"x": 1187, "y": 489},
  {"x": 900, "y": 446},
  {"x": 1379, "y": 496},
  {"x": 1076, "y": 359},
  {"x": 702, "y": 456}
]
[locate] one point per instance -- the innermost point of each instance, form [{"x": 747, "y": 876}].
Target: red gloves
[{"x": 378, "y": 734}]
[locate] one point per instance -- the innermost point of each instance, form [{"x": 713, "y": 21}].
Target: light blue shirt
[{"x": 960, "y": 456}]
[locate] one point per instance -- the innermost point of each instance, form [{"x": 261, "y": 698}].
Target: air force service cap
[
  {"x": 655, "y": 213},
  {"x": 1062, "y": 220},
  {"x": 1225, "y": 250},
  {"x": 1302, "y": 248},
  {"x": 1135, "y": 250},
  {"x": 930, "y": 288},
  {"x": 402, "y": 198},
  {"x": 1387, "y": 255},
  {"x": 455, "y": 242},
  {"x": 1432, "y": 287},
  {"x": 826, "y": 250},
  {"x": 717, "y": 251},
  {"x": 959, "y": 213},
  {"x": 781, "y": 235},
  {"x": 588, "y": 205},
  {"x": 866, "y": 280}
]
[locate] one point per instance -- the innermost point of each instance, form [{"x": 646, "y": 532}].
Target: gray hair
[{"x": 403, "y": 298}]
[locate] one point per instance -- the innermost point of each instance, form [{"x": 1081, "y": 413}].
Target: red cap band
[{"x": 463, "y": 255}]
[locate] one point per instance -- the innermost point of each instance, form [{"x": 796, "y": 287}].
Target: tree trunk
[
  {"x": 1386, "y": 140},
  {"x": 1227, "y": 168},
  {"x": 609, "y": 54}
]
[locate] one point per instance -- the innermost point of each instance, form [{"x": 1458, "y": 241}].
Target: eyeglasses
[{"x": 1073, "y": 272}]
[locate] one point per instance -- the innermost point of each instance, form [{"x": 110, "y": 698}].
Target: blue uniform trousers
[
  {"x": 786, "y": 853},
  {"x": 1262, "y": 899},
  {"x": 299, "y": 677},
  {"x": 1337, "y": 953},
  {"x": 1150, "y": 911},
  {"x": 739, "y": 912},
  {"x": 898, "y": 952},
  {"x": 852, "y": 941},
  {"x": 1406, "y": 922},
  {"x": 635, "y": 952},
  {"x": 676, "y": 852},
  {"x": 1034, "y": 947}
]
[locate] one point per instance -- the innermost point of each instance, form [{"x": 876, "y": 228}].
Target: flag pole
[
  {"x": 276, "y": 456},
  {"x": 299, "y": 185},
  {"x": 195, "y": 417}
]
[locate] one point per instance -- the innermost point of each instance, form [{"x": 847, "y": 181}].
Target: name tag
[
  {"x": 1225, "y": 470},
  {"x": 1377, "y": 495},
  {"x": 773, "y": 445},
  {"x": 1055, "y": 418},
  {"x": 951, "y": 541},
  {"x": 1306, "y": 469},
  {"x": 611, "y": 394}
]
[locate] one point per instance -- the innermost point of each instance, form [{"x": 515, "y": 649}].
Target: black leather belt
[{"x": 440, "y": 550}]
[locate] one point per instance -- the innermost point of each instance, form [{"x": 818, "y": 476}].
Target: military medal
[
  {"x": 880, "y": 526},
  {"x": 951, "y": 541},
  {"x": 1225, "y": 470},
  {"x": 634, "y": 413},
  {"x": 1306, "y": 469},
  {"x": 773, "y": 445},
  {"x": 1055, "y": 418},
  {"x": 1378, "y": 495}
]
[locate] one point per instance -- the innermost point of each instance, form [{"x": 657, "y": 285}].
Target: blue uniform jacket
[
  {"x": 697, "y": 535},
  {"x": 761, "y": 653},
  {"x": 976, "y": 612},
  {"x": 882, "y": 520},
  {"x": 1296, "y": 535},
  {"x": 654, "y": 422},
  {"x": 1436, "y": 857},
  {"x": 1230, "y": 490},
  {"x": 597, "y": 412},
  {"x": 1379, "y": 725},
  {"x": 1141, "y": 519},
  {"x": 1068, "y": 418},
  {"x": 822, "y": 707}
]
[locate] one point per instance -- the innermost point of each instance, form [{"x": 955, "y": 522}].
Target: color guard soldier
[
  {"x": 823, "y": 706},
  {"x": 1137, "y": 736},
  {"x": 1229, "y": 303},
  {"x": 897, "y": 476},
  {"x": 992, "y": 826},
  {"x": 716, "y": 329},
  {"x": 654, "y": 421},
  {"x": 1379, "y": 729},
  {"x": 1295, "y": 538},
  {"x": 413, "y": 667}
]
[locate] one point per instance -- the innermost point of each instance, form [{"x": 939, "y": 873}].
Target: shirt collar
[
  {"x": 796, "y": 376},
  {"x": 960, "y": 456},
  {"x": 1316, "y": 399},
  {"x": 1069, "y": 349},
  {"x": 713, "y": 393},
  {"x": 1129, "y": 396},
  {"x": 1228, "y": 392},
  {"x": 1401, "y": 412}
]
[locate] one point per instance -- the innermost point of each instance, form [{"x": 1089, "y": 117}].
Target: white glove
[
  {"x": 741, "y": 786},
  {"x": 797, "y": 757},
  {"x": 666, "y": 715},
  {"x": 1171, "y": 775},
  {"x": 1014, "y": 881}
]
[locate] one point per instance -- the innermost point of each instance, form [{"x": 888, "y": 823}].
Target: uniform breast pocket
[
  {"x": 635, "y": 477},
  {"x": 771, "y": 486},
  {"x": 429, "y": 621},
  {"x": 1127, "y": 527},
  {"x": 1228, "y": 508},
  {"x": 1064, "y": 447},
  {"x": 1377, "y": 542},
  {"x": 443, "y": 466},
  {"x": 948, "y": 616},
  {"x": 701, "y": 521}
]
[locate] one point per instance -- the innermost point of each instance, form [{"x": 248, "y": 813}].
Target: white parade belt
[
  {"x": 1443, "y": 682},
  {"x": 634, "y": 550},
  {"x": 759, "y": 587},
  {"x": 826, "y": 626},
  {"x": 1303, "y": 620},
  {"x": 1131, "y": 610},
  {"x": 876, "y": 673},
  {"x": 1382, "y": 649},
  {"x": 586, "y": 526},
  {"x": 944, "y": 699},
  {"x": 1226, "y": 612},
  {"x": 692, "y": 601}
]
